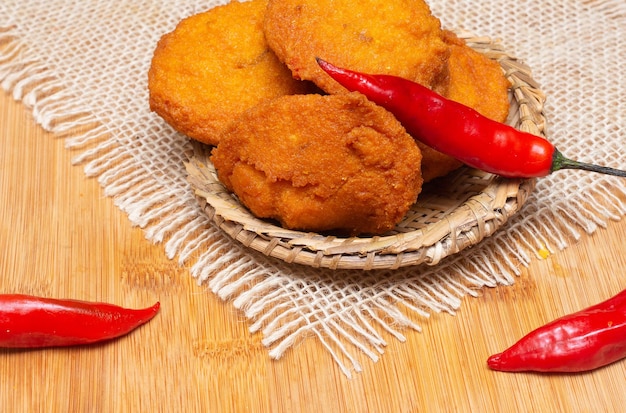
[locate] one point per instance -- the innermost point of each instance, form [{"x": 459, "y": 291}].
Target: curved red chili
[
  {"x": 460, "y": 131},
  {"x": 582, "y": 341},
  {"x": 31, "y": 322}
]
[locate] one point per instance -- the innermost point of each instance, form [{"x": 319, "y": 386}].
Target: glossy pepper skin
[
  {"x": 582, "y": 341},
  {"x": 33, "y": 322},
  {"x": 459, "y": 131}
]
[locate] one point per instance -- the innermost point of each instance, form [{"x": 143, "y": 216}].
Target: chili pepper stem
[{"x": 561, "y": 162}]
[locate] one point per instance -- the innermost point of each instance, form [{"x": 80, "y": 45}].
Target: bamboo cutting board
[{"x": 61, "y": 237}]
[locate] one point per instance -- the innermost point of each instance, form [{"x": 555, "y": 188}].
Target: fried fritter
[
  {"x": 436, "y": 164},
  {"x": 474, "y": 80},
  {"x": 213, "y": 66},
  {"x": 321, "y": 163},
  {"x": 395, "y": 37}
]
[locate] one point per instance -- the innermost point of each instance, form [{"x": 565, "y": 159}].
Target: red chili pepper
[
  {"x": 32, "y": 322},
  {"x": 460, "y": 131},
  {"x": 582, "y": 341}
]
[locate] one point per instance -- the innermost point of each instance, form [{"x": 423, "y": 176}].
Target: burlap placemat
[{"x": 81, "y": 65}]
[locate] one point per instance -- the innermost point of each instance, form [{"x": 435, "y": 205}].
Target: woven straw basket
[{"x": 451, "y": 214}]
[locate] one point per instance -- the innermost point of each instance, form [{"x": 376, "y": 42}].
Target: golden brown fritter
[
  {"x": 395, "y": 37},
  {"x": 213, "y": 66},
  {"x": 475, "y": 80},
  {"x": 436, "y": 164},
  {"x": 321, "y": 163}
]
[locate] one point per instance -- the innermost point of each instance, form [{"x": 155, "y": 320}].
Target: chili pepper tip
[
  {"x": 331, "y": 69},
  {"x": 323, "y": 63},
  {"x": 152, "y": 310},
  {"x": 495, "y": 361}
]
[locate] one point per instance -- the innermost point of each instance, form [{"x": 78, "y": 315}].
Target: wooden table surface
[{"x": 61, "y": 237}]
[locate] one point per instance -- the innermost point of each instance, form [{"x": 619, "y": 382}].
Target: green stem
[{"x": 561, "y": 162}]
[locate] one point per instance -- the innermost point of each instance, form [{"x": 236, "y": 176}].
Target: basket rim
[{"x": 476, "y": 218}]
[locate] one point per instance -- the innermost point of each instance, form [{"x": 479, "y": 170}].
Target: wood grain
[{"x": 61, "y": 237}]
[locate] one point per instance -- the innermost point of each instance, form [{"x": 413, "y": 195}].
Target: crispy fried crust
[
  {"x": 213, "y": 66},
  {"x": 474, "y": 80},
  {"x": 394, "y": 37},
  {"x": 436, "y": 164},
  {"x": 320, "y": 163}
]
